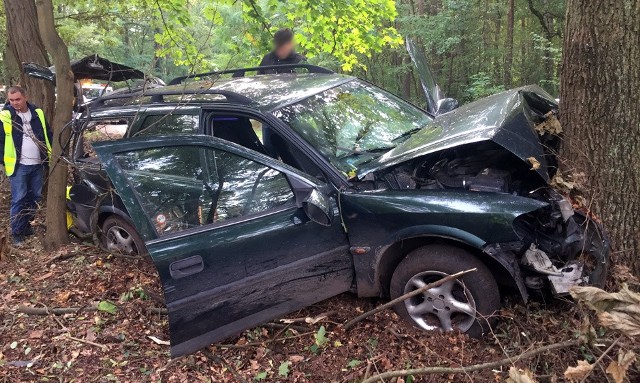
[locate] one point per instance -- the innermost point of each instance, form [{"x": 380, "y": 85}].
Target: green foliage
[
  {"x": 107, "y": 307},
  {"x": 321, "y": 340},
  {"x": 167, "y": 37},
  {"x": 346, "y": 30},
  {"x": 481, "y": 86},
  {"x": 283, "y": 370},
  {"x": 464, "y": 40}
]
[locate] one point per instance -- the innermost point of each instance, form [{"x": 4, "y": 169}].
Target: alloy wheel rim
[
  {"x": 447, "y": 307},
  {"x": 119, "y": 240}
]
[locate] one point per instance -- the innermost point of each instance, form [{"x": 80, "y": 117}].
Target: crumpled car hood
[{"x": 504, "y": 118}]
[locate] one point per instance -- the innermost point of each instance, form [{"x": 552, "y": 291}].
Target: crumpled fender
[{"x": 378, "y": 220}]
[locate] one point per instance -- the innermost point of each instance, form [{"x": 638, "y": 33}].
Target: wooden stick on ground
[
  {"x": 406, "y": 296},
  {"x": 475, "y": 367},
  {"x": 74, "y": 310}
]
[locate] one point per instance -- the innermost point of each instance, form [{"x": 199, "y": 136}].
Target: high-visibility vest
[{"x": 10, "y": 156}]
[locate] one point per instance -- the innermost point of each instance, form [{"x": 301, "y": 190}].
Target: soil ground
[{"x": 116, "y": 344}]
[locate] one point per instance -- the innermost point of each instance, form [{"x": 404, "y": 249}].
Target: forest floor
[{"x": 121, "y": 335}]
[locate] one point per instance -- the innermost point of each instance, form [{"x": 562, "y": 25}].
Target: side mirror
[
  {"x": 446, "y": 105},
  {"x": 317, "y": 207}
]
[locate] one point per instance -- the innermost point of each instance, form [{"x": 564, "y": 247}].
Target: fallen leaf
[
  {"x": 35, "y": 334},
  {"x": 618, "y": 369},
  {"x": 578, "y": 372},
  {"x": 560, "y": 183},
  {"x": 63, "y": 296},
  {"x": 296, "y": 358},
  {"x": 550, "y": 125},
  {"x": 107, "y": 306},
  {"x": 517, "y": 375},
  {"x": 43, "y": 277},
  {"x": 618, "y": 311},
  {"x": 158, "y": 341},
  {"x": 535, "y": 164},
  {"x": 91, "y": 335}
]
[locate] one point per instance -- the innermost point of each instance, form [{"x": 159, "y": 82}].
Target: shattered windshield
[{"x": 353, "y": 123}]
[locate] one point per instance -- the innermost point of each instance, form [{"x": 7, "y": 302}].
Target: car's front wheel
[
  {"x": 465, "y": 304},
  {"x": 119, "y": 236}
]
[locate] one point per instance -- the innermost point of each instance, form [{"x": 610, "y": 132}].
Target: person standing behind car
[
  {"x": 283, "y": 53},
  {"x": 25, "y": 147}
]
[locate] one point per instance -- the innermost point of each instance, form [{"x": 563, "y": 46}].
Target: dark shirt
[{"x": 272, "y": 59}]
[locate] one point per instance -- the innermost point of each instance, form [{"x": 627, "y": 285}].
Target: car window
[
  {"x": 187, "y": 186},
  {"x": 353, "y": 123},
  {"x": 169, "y": 125},
  {"x": 96, "y": 131}
]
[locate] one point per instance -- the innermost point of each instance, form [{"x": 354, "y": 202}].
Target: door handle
[{"x": 185, "y": 267}]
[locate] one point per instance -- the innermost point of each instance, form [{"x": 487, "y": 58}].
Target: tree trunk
[
  {"x": 600, "y": 112},
  {"x": 56, "y": 203},
  {"x": 25, "y": 44},
  {"x": 508, "y": 56},
  {"x": 496, "y": 47}
]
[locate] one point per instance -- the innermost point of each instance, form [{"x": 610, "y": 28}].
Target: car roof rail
[
  {"x": 157, "y": 96},
  {"x": 240, "y": 72}
]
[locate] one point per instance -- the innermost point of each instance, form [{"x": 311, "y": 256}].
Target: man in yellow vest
[{"x": 25, "y": 147}]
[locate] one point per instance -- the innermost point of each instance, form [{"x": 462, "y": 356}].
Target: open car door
[
  {"x": 92, "y": 67},
  {"x": 436, "y": 102},
  {"x": 238, "y": 238}
]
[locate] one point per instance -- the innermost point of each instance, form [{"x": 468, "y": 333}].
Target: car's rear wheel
[
  {"x": 119, "y": 236},
  {"x": 465, "y": 304}
]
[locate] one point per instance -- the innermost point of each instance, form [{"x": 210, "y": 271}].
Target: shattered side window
[
  {"x": 183, "y": 187},
  {"x": 96, "y": 131}
]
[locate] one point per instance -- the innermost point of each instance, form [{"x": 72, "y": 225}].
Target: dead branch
[
  {"x": 404, "y": 297},
  {"x": 30, "y": 310},
  {"x": 101, "y": 346},
  {"x": 224, "y": 363},
  {"x": 280, "y": 326},
  {"x": 55, "y": 311},
  {"x": 475, "y": 367}
]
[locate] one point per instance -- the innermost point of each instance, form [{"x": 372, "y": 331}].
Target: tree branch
[
  {"x": 404, "y": 297},
  {"x": 475, "y": 367}
]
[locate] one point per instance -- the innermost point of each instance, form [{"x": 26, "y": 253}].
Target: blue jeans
[{"x": 26, "y": 190}]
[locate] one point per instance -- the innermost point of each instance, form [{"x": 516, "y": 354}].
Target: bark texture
[
  {"x": 600, "y": 112},
  {"x": 25, "y": 45},
  {"x": 508, "y": 56},
  {"x": 56, "y": 203}
]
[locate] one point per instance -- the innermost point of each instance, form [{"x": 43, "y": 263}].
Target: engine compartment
[{"x": 559, "y": 247}]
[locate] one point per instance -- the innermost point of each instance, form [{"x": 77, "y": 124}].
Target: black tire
[
  {"x": 115, "y": 224},
  {"x": 430, "y": 263}
]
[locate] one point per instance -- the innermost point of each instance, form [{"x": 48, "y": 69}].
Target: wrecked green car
[{"x": 283, "y": 190}]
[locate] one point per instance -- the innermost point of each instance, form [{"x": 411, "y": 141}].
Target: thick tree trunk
[
  {"x": 600, "y": 111},
  {"x": 25, "y": 44},
  {"x": 508, "y": 56},
  {"x": 56, "y": 203}
]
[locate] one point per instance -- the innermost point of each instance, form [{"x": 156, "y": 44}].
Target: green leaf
[
  {"x": 260, "y": 376},
  {"x": 354, "y": 363},
  {"x": 107, "y": 307},
  {"x": 283, "y": 370},
  {"x": 13, "y": 345},
  {"x": 320, "y": 336}
]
